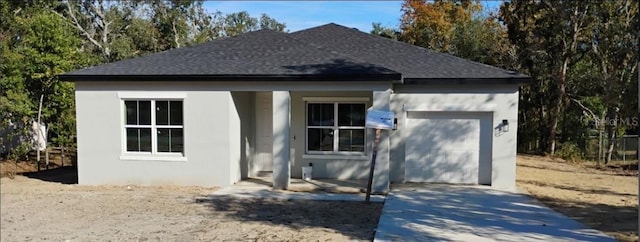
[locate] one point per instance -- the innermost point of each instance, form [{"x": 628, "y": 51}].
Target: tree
[
  {"x": 430, "y": 23},
  {"x": 549, "y": 37},
  {"x": 267, "y": 22},
  {"x": 43, "y": 46},
  {"x": 379, "y": 30},
  {"x": 614, "y": 49},
  {"x": 483, "y": 40},
  {"x": 95, "y": 24},
  {"x": 181, "y": 23},
  {"x": 239, "y": 23}
]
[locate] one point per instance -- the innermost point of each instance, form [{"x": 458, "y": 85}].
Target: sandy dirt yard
[
  {"x": 604, "y": 199},
  {"x": 36, "y": 210}
]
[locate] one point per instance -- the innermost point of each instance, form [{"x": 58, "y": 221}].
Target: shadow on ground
[
  {"x": 621, "y": 221},
  {"x": 64, "y": 175},
  {"x": 575, "y": 188},
  {"x": 355, "y": 220},
  {"x": 451, "y": 213}
]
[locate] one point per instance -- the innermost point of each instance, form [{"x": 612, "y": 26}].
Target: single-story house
[{"x": 215, "y": 113}]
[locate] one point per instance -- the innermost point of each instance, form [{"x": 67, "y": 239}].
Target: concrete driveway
[{"x": 473, "y": 213}]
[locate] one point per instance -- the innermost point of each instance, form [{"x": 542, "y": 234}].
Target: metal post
[
  {"x": 373, "y": 164},
  {"x": 638, "y": 129}
]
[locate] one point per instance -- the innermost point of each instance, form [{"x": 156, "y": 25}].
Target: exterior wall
[
  {"x": 242, "y": 130},
  {"x": 213, "y": 136},
  {"x": 325, "y": 166},
  {"x": 220, "y": 130},
  {"x": 500, "y": 101}
]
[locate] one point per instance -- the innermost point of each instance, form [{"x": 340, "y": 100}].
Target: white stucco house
[{"x": 215, "y": 113}]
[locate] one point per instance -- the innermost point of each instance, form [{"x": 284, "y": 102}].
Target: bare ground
[
  {"x": 42, "y": 208},
  {"x": 602, "y": 198},
  {"x": 47, "y": 205}
]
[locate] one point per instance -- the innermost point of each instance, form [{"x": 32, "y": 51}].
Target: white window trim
[
  {"x": 139, "y": 95},
  {"x": 154, "y": 155},
  {"x": 337, "y": 156},
  {"x": 336, "y": 99},
  {"x": 450, "y": 108},
  {"x": 336, "y": 138}
]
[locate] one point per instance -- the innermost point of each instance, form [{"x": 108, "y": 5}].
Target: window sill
[
  {"x": 153, "y": 158},
  {"x": 336, "y": 156}
]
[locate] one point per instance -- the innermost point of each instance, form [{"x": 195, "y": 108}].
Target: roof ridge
[
  {"x": 447, "y": 55},
  {"x": 319, "y": 47},
  {"x": 336, "y": 52}
]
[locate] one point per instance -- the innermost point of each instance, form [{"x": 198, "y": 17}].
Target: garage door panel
[{"x": 444, "y": 147}]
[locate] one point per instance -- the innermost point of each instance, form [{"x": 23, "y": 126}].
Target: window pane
[
  {"x": 162, "y": 112},
  {"x": 139, "y": 139},
  {"x": 132, "y": 140},
  {"x": 170, "y": 140},
  {"x": 320, "y": 114},
  {"x": 176, "y": 112},
  {"x": 177, "y": 143},
  {"x": 144, "y": 112},
  {"x": 351, "y": 114},
  {"x": 351, "y": 140},
  {"x": 145, "y": 139},
  {"x": 132, "y": 112},
  {"x": 320, "y": 139},
  {"x": 163, "y": 140}
]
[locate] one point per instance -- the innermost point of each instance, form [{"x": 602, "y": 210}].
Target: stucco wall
[
  {"x": 220, "y": 130},
  {"x": 500, "y": 101},
  {"x": 241, "y": 136},
  {"x": 325, "y": 166},
  {"x": 212, "y": 133}
]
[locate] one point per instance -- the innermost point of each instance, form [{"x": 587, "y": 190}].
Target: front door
[{"x": 264, "y": 135}]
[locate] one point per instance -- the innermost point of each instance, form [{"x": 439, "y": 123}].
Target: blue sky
[{"x": 299, "y": 15}]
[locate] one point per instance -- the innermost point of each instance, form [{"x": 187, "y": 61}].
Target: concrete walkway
[
  {"x": 473, "y": 213},
  {"x": 301, "y": 190}
]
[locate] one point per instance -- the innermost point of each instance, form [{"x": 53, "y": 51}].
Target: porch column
[
  {"x": 381, "y": 100},
  {"x": 281, "y": 125}
]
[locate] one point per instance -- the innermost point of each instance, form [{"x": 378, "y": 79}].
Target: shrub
[{"x": 569, "y": 151}]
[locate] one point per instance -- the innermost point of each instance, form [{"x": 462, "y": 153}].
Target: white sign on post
[{"x": 379, "y": 119}]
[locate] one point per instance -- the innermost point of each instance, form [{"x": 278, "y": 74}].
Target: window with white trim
[
  {"x": 155, "y": 132},
  {"x": 335, "y": 127}
]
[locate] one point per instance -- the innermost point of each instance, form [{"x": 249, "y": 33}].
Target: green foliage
[
  {"x": 431, "y": 24},
  {"x": 42, "y": 46},
  {"x": 47, "y": 48},
  {"x": 569, "y": 151},
  {"x": 267, "y": 22},
  {"x": 378, "y": 29},
  {"x": 241, "y": 22}
]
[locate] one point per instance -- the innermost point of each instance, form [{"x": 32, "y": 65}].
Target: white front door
[
  {"x": 264, "y": 140},
  {"x": 448, "y": 147}
]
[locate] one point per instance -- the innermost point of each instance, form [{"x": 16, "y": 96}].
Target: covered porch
[
  {"x": 315, "y": 185},
  {"x": 279, "y": 139}
]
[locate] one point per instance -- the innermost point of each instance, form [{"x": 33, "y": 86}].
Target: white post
[
  {"x": 39, "y": 141},
  {"x": 624, "y": 150},
  {"x": 281, "y": 143},
  {"x": 381, "y": 101}
]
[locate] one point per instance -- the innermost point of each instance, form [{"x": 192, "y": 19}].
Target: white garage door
[{"x": 448, "y": 147}]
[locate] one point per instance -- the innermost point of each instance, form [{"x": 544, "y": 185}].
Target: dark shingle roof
[
  {"x": 326, "y": 52},
  {"x": 412, "y": 61}
]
